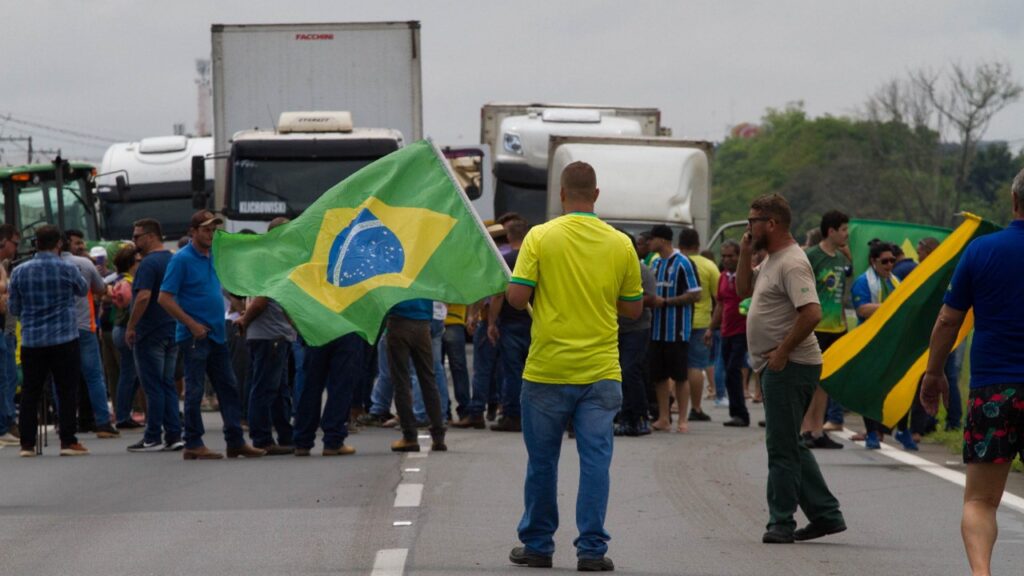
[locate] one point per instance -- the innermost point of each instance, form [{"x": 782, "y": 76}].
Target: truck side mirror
[
  {"x": 198, "y": 182},
  {"x": 122, "y": 187}
]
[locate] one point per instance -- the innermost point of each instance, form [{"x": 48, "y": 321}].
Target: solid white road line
[
  {"x": 401, "y": 523},
  {"x": 408, "y": 495},
  {"x": 412, "y": 469},
  {"x": 390, "y": 562},
  {"x": 1011, "y": 501}
]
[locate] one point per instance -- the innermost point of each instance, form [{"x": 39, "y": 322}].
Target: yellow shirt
[
  {"x": 579, "y": 267},
  {"x": 708, "y": 274},
  {"x": 456, "y": 315}
]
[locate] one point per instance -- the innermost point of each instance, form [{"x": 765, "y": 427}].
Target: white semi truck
[
  {"x": 518, "y": 135},
  {"x": 643, "y": 180},
  {"x": 285, "y": 99},
  {"x": 159, "y": 170}
]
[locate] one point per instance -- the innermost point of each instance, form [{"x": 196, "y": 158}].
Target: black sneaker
[
  {"x": 807, "y": 439},
  {"x": 143, "y": 446},
  {"x": 129, "y": 425},
  {"x": 777, "y": 536},
  {"x": 602, "y": 564},
  {"x": 370, "y": 419},
  {"x": 698, "y": 417},
  {"x": 175, "y": 446},
  {"x": 523, "y": 557},
  {"x": 825, "y": 443},
  {"x": 812, "y": 531}
]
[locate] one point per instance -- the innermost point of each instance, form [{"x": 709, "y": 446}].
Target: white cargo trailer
[{"x": 370, "y": 70}]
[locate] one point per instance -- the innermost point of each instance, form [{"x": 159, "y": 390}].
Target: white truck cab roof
[
  {"x": 157, "y": 159},
  {"x": 524, "y": 139}
]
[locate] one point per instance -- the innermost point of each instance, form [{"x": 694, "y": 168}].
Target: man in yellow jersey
[
  {"x": 698, "y": 353},
  {"x": 581, "y": 274}
]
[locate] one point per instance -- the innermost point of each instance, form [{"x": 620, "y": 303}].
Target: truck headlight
[{"x": 512, "y": 144}]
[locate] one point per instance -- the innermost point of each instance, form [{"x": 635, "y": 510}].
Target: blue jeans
[
  {"x": 7, "y": 389},
  {"x": 334, "y": 366},
  {"x": 155, "y": 360},
  {"x": 513, "y": 346},
  {"x": 384, "y": 392},
  {"x": 720, "y": 390},
  {"x": 127, "y": 381},
  {"x": 10, "y": 368},
  {"x": 208, "y": 358},
  {"x": 486, "y": 372},
  {"x": 298, "y": 357},
  {"x": 436, "y": 345},
  {"x": 92, "y": 372},
  {"x": 547, "y": 409},
  {"x": 269, "y": 400},
  {"x": 454, "y": 348}
]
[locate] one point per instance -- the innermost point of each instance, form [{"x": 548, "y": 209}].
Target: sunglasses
[
  {"x": 887, "y": 261},
  {"x": 751, "y": 221}
]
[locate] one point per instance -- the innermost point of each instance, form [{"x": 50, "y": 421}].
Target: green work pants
[{"x": 793, "y": 474}]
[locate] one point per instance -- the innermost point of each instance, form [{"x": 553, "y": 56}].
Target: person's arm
[
  {"x": 934, "y": 383},
  {"x": 866, "y": 310},
  {"x": 167, "y": 301},
  {"x": 497, "y": 301},
  {"x": 631, "y": 309},
  {"x": 807, "y": 318},
  {"x": 744, "y": 269},
  {"x": 138, "y": 310},
  {"x": 517, "y": 295},
  {"x": 716, "y": 323},
  {"x": 253, "y": 310}
]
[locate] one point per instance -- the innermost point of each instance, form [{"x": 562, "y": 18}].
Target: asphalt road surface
[{"x": 680, "y": 504}]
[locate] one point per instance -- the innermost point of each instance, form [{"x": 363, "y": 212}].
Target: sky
[{"x": 115, "y": 70}]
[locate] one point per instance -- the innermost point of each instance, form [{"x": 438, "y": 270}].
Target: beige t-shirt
[{"x": 783, "y": 283}]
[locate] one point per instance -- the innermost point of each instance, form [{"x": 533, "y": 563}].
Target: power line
[
  {"x": 108, "y": 140},
  {"x": 121, "y": 136}
]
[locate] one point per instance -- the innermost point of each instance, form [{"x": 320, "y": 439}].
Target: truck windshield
[
  {"x": 37, "y": 205},
  {"x": 174, "y": 215},
  {"x": 262, "y": 189},
  {"x": 530, "y": 202}
]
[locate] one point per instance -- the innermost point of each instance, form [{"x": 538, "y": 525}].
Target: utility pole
[{"x": 20, "y": 139}]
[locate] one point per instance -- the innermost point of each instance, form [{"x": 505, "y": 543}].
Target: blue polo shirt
[
  {"x": 190, "y": 277},
  {"x": 155, "y": 321},
  {"x": 985, "y": 279},
  {"x": 418, "y": 309}
]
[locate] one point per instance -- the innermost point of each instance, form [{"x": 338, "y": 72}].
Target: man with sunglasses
[
  {"x": 150, "y": 334},
  {"x": 783, "y": 313}
]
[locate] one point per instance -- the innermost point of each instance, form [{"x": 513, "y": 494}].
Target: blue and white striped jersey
[{"x": 675, "y": 276}]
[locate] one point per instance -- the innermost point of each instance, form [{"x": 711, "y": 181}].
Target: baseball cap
[
  {"x": 205, "y": 218},
  {"x": 661, "y": 231},
  {"x": 98, "y": 252}
]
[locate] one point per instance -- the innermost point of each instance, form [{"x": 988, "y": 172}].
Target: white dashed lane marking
[
  {"x": 408, "y": 495},
  {"x": 390, "y": 562}
]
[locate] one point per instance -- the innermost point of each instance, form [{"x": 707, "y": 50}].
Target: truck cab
[
  {"x": 59, "y": 193},
  {"x": 160, "y": 172},
  {"x": 518, "y": 135},
  {"x": 280, "y": 172},
  {"x": 643, "y": 181}
]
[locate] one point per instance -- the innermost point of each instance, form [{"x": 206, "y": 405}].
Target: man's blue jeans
[
  {"x": 269, "y": 401},
  {"x": 7, "y": 388},
  {"x": 92, "y": 372},
  {"x": 334, "y": 366},
  {"x": 547, "y": 409},
  {"x": 513, "y": 346},
  {"x": 298, "y": 358},
  {"x": 454, "y": 348},
  {"x": 486, "y": 372},
  {"x": 155, "y": 360},
  {"x": 127, "y": 381},
  {"x": 205, "y": 357},
  {"x": 384, "y": 393}
]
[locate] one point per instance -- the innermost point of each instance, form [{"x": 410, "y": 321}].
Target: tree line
[{"x": 914, "y": 152}]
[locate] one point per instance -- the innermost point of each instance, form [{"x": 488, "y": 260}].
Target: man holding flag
[{"x": 992, "y": 435}]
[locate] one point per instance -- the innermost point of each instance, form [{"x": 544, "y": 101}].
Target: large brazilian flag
[
  {"x": 875, "y": 368},
  {"x": 398, "y": 229}
]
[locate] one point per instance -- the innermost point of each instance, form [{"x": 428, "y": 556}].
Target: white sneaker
[{"x": 8, "y": 439}]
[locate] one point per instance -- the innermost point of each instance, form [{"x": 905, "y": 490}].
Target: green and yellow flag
[
  {"x": 904, "y": 234},
  {"x": 874, "y": 369},
  {"x": 398, "y": 229}
]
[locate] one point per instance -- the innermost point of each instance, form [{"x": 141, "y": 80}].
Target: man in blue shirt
[
  {"x": 984, "y": 280},
  {"x": 42, "y": 296},
  {"x": 408, "y": 337},
  {"x": 191, "y": 294},
  {"x": 150, "y": 333}
]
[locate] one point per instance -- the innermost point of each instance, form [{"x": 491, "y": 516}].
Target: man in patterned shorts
[{"x": 995, "y": 421}]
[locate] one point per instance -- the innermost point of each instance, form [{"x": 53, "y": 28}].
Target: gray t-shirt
[
  {"x": 783, "y": 283},
  {"x": 272, "y": 324},
  {"x": 83, "y": 315},
  {"x": 649, "y": 284}
]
